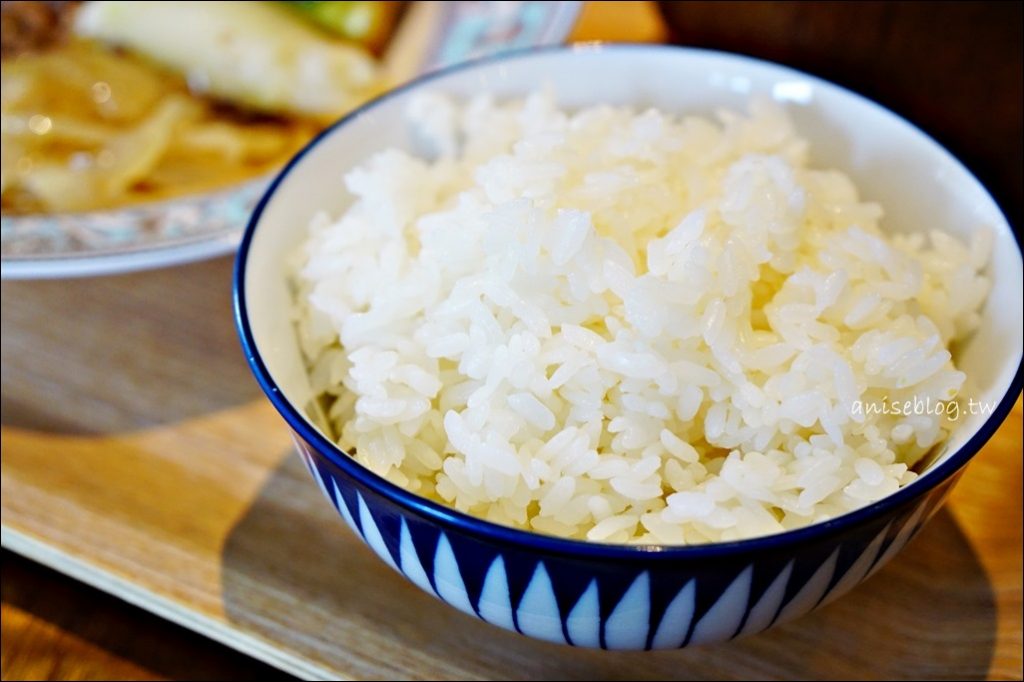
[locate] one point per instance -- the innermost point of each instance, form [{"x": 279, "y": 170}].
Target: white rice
[{"x": 629, "y": 326}]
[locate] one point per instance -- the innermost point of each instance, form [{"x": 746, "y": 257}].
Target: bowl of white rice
[{"x": 632, "y": 347}]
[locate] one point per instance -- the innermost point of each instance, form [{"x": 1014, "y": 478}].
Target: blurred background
[{"x": 952, "y": 68}]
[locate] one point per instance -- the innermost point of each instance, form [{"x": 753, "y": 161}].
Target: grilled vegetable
[{"x": 258, "y": 55}]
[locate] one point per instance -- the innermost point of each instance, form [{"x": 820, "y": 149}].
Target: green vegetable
[{"x": 366, "y": 23}]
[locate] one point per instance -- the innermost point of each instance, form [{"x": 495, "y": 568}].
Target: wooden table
[
  {"x": 139, "y": 455},
  {"x": 57, "y": 628}
]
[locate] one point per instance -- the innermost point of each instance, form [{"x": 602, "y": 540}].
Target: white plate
[
  {"x": 195, "y": 227},
  {"x": 132, "y": 238}
]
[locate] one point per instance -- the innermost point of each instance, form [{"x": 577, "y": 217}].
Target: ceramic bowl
[{"x": 634, "y": 597}]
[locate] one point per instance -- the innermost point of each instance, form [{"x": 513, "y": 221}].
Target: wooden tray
[{"x": 140, "y": 457}]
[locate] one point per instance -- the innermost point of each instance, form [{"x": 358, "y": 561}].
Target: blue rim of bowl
[{"x": 450, "y": 517}]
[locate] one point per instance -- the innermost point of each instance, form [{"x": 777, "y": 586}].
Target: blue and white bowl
[{"x": 634, "y": 597}]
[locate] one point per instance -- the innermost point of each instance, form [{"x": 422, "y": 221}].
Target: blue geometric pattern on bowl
[{"x": 657, "y": 599}]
